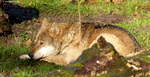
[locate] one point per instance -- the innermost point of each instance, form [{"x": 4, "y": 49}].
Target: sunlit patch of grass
[
  {"x": 132, "y": 6},
  {"x": 64, "y": 6},
  {"x": 125, "y": 8},
  {"x": 58, "y": 6},
  {"x": 133, "y": 26}
]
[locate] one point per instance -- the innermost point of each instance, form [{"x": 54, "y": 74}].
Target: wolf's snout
[{"x": 31, "y": 55}]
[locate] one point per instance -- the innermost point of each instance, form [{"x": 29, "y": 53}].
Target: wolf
[{"x": 63, "y": 43}]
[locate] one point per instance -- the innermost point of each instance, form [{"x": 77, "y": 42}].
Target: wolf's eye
[{"x": 41, "y": 42}]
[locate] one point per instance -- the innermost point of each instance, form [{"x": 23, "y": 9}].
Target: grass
[
  {"x": 9, "y": 61},
  {"x": 141, "y": 35},
  {"x": 63, "y": 6}
]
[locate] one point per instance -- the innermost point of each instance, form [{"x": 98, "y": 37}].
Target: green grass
[
  {"x": 59, "y": 6},
  {"x": 63, "y": 6},
  {"x": 134, "y": 27},
  {"x": 9, "y": 61}
]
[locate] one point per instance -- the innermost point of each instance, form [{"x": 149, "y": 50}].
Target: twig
[{"x": 79, "y": 14}]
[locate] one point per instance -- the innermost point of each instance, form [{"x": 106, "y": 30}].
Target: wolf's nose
[{"x": 30, "y": 55}]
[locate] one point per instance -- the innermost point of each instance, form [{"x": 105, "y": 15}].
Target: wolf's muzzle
[{"x": 31, "y": 55}]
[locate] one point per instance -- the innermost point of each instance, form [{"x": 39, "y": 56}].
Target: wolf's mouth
[{"x": 32, "y": 57}]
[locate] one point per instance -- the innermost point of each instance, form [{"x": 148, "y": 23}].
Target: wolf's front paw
[{"x": 24, "y": 57}]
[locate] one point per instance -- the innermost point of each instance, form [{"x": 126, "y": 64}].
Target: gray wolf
[{"x": 63, "y": 43}]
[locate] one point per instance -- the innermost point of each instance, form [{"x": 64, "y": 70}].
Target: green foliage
[{"x": 24, "y": 36}]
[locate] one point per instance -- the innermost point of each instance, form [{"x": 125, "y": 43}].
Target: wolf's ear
[
  {"x": 44, "y": 22},
  {"x": 44, "y": 25}
]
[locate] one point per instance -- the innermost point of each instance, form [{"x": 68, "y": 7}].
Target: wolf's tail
[{"x": 137, "y": 53}]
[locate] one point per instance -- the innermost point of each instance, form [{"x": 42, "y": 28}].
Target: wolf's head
[
  {"x": 51, "y": 38},
  {"x": 44, "y": 45}
]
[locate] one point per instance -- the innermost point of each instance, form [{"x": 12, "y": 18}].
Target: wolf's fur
[{"x": 65, "y": 42}]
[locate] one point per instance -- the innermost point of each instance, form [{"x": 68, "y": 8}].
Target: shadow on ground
[
  {"x": 14, "y": 14},
  {"x": 17, "y": 14}
]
